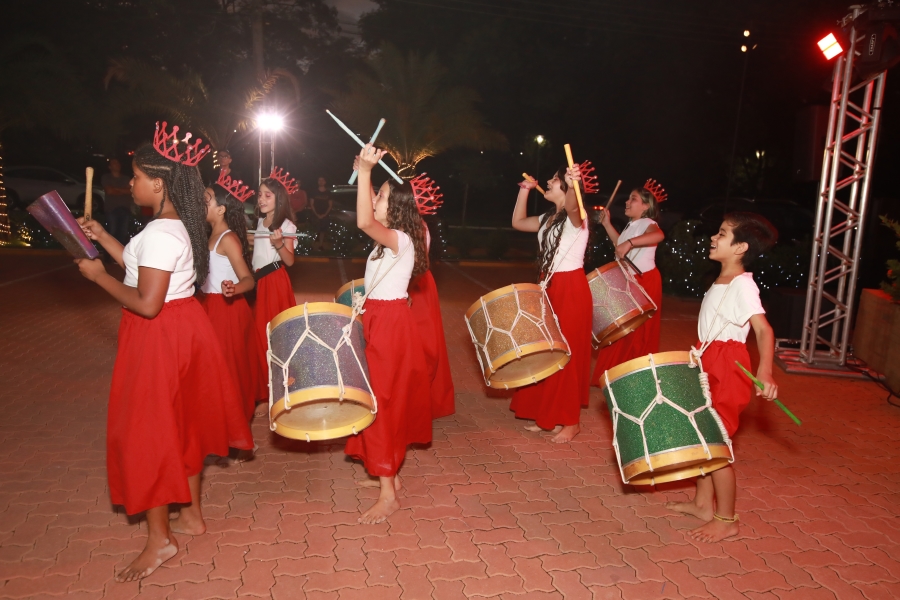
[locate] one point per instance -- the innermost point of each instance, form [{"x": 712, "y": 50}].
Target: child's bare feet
[
  {"x": 188, "y": 522},
  {"x": 532, "y": 426},
  {"x": 155, "y": 553},
  {"x": 381, "y": 510},
  {"x": 691, "y": 508},
  {"x": 715, "y": 531},
  {"x": 566, "y": 434},
  {"x": 372, "y": 482}
]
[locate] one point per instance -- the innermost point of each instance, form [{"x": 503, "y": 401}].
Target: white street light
[
  {"x": 540, "y": 140},
  {"x": 270, "y": 122}
]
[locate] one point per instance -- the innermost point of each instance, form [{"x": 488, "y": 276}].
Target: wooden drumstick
[
  {"x": 581, "y": 212},
  {"x": 528, "y": 177},
  {"x": 611, "y": 198},
  {"x": 88, "y": 201}
]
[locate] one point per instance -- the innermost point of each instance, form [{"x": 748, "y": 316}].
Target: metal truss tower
[{"x": 855, "y": 115}]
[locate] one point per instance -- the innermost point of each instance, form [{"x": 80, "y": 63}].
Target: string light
[{"x": 5, "y": 230}]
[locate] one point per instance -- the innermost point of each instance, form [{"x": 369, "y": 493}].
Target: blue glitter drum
[
  {"x": 319, "y": 380},
  {"x": 344, "y": 295}
]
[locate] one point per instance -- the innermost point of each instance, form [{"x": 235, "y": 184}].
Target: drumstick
[
  {"x": 363, "y": 145},
  {"x": 266, "y": 233},
  {"x": 528, "y": 177},
  {"x": 777, "y": 402},
  {"x": 88, "y": 201},
  {"x": 581, "y": 212},
  {"x": 632, "y": 265},
  {"x": 613, "y": 195},
  {"x": 371, "y": 141}
]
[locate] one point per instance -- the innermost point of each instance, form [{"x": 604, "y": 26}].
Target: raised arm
[
  {"x": 573, "y": 175},
  {"x": 95, "y": 231},
  {"x": 365, "y": 212},
  {"x": 520, "y": 219}
]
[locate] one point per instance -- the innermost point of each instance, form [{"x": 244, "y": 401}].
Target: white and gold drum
[
  {"x": 318, "y": 377},
  {"x": 517, "y": 336}
]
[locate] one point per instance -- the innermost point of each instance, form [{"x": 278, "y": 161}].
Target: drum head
[
  {"x": 529, "y": 369},
  {"x": 326, "y": 419},
  {"x": 618, "y": 330}
]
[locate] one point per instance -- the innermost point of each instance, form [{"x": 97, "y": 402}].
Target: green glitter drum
[
  {"x": 344, "y": 295},
  {"x": 670, "y": 446}
]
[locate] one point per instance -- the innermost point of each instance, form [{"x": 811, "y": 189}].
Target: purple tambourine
[{"x": 54, "y": 215}]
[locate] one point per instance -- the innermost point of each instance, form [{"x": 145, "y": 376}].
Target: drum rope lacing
[
  {"x": 660, "y": 398},
  {"x": 629, "y": 278}
]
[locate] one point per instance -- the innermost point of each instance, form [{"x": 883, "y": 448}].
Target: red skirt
[
  {"x": 172, "y": 402},
  {"x": 558, "y": 399},
  {"x": 426, "y": 309},
  {"x": 396, "y": 372},
  {"x": 274, "y": 295},
  {"x": 730, "y": 389},
  {"x": 232, "y": 320},
  {"x": 642, "y": 341}
]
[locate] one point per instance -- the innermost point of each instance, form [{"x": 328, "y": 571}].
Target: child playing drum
[
  {"x": 638, "y": 242},
  {"x": 555, "y": 403},
  {"x": 393, "y": 348},
  {"x": 172, "y": 401},
  {"x": 730, "y": 308}
]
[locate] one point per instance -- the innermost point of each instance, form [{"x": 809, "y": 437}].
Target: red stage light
[{"x": 830, "y": 46}]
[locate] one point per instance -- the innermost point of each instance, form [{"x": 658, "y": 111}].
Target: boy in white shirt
[{"x": 730, "y": 308}]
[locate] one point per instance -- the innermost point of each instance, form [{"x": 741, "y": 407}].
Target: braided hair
[
  {"x": 283, "y": 210},
  {"x": 183, "y": 187},
  {"x": 553, "y": 220},
  {"x": 234, "y": 218},
  {"x": 403, "y": 214}
]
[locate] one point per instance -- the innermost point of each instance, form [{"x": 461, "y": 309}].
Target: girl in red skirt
[
  {"x": 229, "y": 279},
  {"x": 172, "y": 400},
  {"x": 555, "y": 403},
  {"x": 638, "y": 242},
  {"x": 426, "y": 308},
  {"x": 272, "y": 253},
  {"x": 393, "y": 348}
]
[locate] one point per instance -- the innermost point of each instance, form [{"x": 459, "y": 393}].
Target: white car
[{"x": 24, "y": 185}]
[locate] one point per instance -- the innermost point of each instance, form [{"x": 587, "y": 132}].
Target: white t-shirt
[
  {"x": 163, "y": 244},
  {"x": 264, "y": 252},
  {"x": 741, "y": 301},
  {"x": 644, "y": 258},
  {"x": 220, "y": 269},
  {"x": 570, "y": 252},
  {"x": 392, "y": 285}
]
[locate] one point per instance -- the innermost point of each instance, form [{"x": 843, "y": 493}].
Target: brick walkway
[{"x": 489, "y": 509}]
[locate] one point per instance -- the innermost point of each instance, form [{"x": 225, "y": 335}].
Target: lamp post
[
  {"x": 540, "y": 141},
  {"x": 746, "y": 48},
  {"x": 269, "y": 124}
]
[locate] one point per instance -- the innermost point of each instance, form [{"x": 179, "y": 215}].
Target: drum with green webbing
[{"x": 664, "y": 425}]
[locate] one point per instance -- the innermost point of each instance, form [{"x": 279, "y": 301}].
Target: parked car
[
  {"x": 24, "y": 185},
  {"x": 794, "y": 223}
]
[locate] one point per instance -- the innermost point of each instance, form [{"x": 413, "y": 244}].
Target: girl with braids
[
  {"x": 393, "y": 348},
  {"x": 272, "y": 253},
  {"x": 171, "y": 402},
  {"x": 555, "y": 403},
  {"x": 229, "y": 279},
  {"x": 638, "y": 242}
]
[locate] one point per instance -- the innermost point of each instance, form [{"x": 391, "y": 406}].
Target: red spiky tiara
[
  {"x": 656, "y": 189},
  {"x": 588, "y": 179},
  {"x": 285, "y": 179},
  {"x": 167, "y": 145},
  {"x": 427, "y": 194},
  {"x": 235, "y": 187}
]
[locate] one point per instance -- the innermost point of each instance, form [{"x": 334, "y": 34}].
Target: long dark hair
[
  {"x": 234, "y": 218},
  {"x": 554, "y": 220},
  {"x": 183, "y": 187},
  {"x": 283, "y": 208},
  {"x": 403, "y": 214}
]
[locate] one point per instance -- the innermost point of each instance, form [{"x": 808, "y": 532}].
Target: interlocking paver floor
[{"x": 489, "y": 510}]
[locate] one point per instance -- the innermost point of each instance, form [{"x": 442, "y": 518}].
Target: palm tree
[
  {"x": 37, "y": 90},
  {"x": 425, "y": 115}
]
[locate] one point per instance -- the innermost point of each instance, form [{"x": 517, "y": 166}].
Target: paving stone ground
[{"x": 489, "y": 510}]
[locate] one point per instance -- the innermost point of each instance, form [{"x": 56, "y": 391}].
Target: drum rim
[
  {"x": 319, "y": 435},
  {"x": 641, "y": 363},
  {"x": 602, "y": 269},
  {"x": 324, "y": 393},
  {"x": 531, "y": 287},
  {"x": 615, "y": 326},
  {"x": 647, "y": 477},
  {"x": 312, "y": 308},
  {"x": 539, "y": 376},
  {"x": 352, "y": 284}
]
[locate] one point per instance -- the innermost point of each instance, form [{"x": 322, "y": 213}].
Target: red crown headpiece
[
  {"x": 427, "y": 194},
  {"x": 167, "y": 145},
  {"x": 588, "y": 179},
  {"x": 285, "y": 179},
  {"x": 657, "y": 190},
  {"x": 235, "y": 187}
]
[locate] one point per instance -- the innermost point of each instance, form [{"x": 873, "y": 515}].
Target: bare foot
[
  {"x": 715, "y": 531},
  {"x": 379, "y": 512},
  {"x": 371, "y": 482},
  {"x": 566, "y": 434},
  {"x": 245, "y": 455},
  {"x": 149, "y": 560},
  {"x": 188, "y": 524},
  {"x": 532, "y": 426},
  {"x": 690, "y": 508}
]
